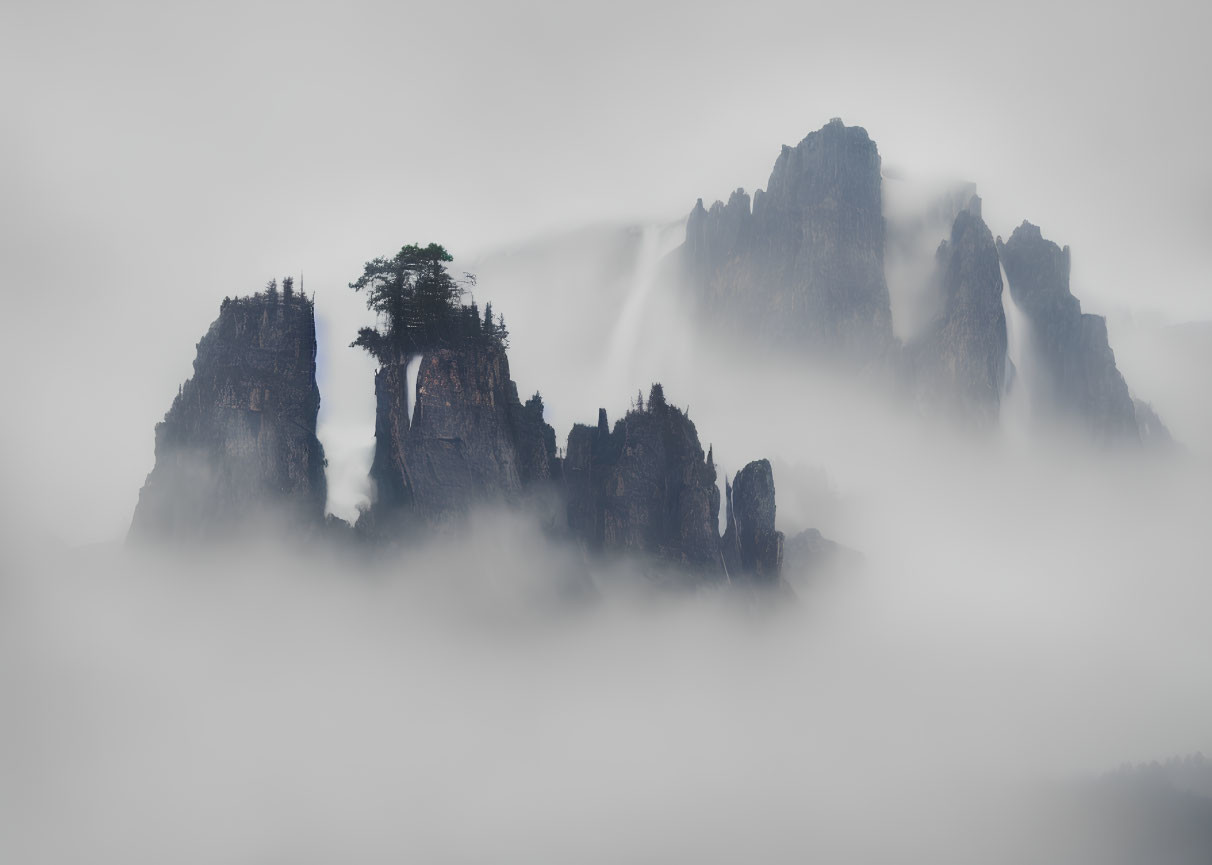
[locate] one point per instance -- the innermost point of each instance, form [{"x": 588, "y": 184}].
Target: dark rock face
[
  {"x": 960, "y": 362},
  {"x": 237, "y": 452},
  {"x": 645, "y": 488},
  {"x": 1080, "y": 379},
  {"x": 805, "y": 267},
  {"x": 535, "y": 441},
  {"x": 753, "y": 550},
  {"x": 469, "y": 438}
]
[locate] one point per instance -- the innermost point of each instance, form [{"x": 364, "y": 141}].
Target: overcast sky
[{"x": 155, "y": 157}]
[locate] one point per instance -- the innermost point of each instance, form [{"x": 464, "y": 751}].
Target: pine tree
[{"x": 417, "y": 300}]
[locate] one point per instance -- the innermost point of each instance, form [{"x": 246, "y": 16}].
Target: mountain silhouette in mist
[{"x": 802, "y": 268}]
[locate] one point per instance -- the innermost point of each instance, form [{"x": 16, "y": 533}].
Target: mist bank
[
  {"x": 1025, "y": 615},
  {"x": 1002, "y": 640}
]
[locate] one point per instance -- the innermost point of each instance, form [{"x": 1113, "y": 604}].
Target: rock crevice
[{"x": 469, "y": 439}]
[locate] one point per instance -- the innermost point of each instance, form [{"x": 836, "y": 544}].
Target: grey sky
[{"x": 157, "y": 156}]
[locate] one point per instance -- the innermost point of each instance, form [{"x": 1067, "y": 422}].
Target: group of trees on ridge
[
  {"x": 419, "y": 303},
  {"x": 288, "y": 295},
  {"x": 421, "y": 306}
]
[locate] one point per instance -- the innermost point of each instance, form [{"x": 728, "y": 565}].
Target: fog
[
  {"x": 1026, "y": 612},
  {"x": 1011, "y": 628}
]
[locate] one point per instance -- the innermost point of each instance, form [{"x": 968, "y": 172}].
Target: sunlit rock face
[
  {"x": 645, "y": 488},
  {"x": 469, "y": 439},
  {"x": 753, "y": 550},
  {"x": 237, "y": 451},
  {"x": 1080, "y": 381},
  {"x": 960, "y": 361},
  {"x": 804, "y": 267}
]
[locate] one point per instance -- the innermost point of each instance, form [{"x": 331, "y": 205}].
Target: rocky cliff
[
  {"x": 959, "y": 364},
  {"x": 460, "y": 438},
  {"x": 237, "y": 451},
  {"x": 645, "y": 488},
  {"x": 752, "y": 549},
  {"x": 804, "y": 267},
  {"x": 1078, "y": 379}
]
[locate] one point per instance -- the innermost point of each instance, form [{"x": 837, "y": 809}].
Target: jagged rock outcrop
[
  {"x": 960, "y": 362},
  {"x": 805, "y": 266},
  {"x": 237, "y": 452},
  {"x": 468, "y": 440},
  {"x": 753, "y": 549},
  {"x": 535, "y": 441},
  {"x": 645, "y": 488},
  {"x": 1078, "y": 377}
]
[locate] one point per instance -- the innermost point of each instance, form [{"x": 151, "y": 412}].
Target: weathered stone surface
[
  {"x": 535, "y": 441},
  {"x": 237, "y": 452},
  {"x": 469, "y": 440},
  {"x": 1079, "y": 379},
  {"x": 805, "y": 267},
  {"x": 960, "y": 362},
  {"x": 645, "y": 488},
  {"x": 753, "y": 549}
]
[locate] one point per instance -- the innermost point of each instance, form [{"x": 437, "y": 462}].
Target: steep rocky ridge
[
  {"x": 804, "y": 267},
  {"x": 753, "y": 549},
  {"x": 807, "y": 264},
  {"x": 237, "y": 451},
  {"x": 469, "y": 439},
  {"x": 1079, "y": 380},
  {"x": 959, "y": 364},
  {"x": 645, "y": 488}
]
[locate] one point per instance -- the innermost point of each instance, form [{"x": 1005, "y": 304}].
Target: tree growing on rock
[{"x": 420, "y": 305}]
